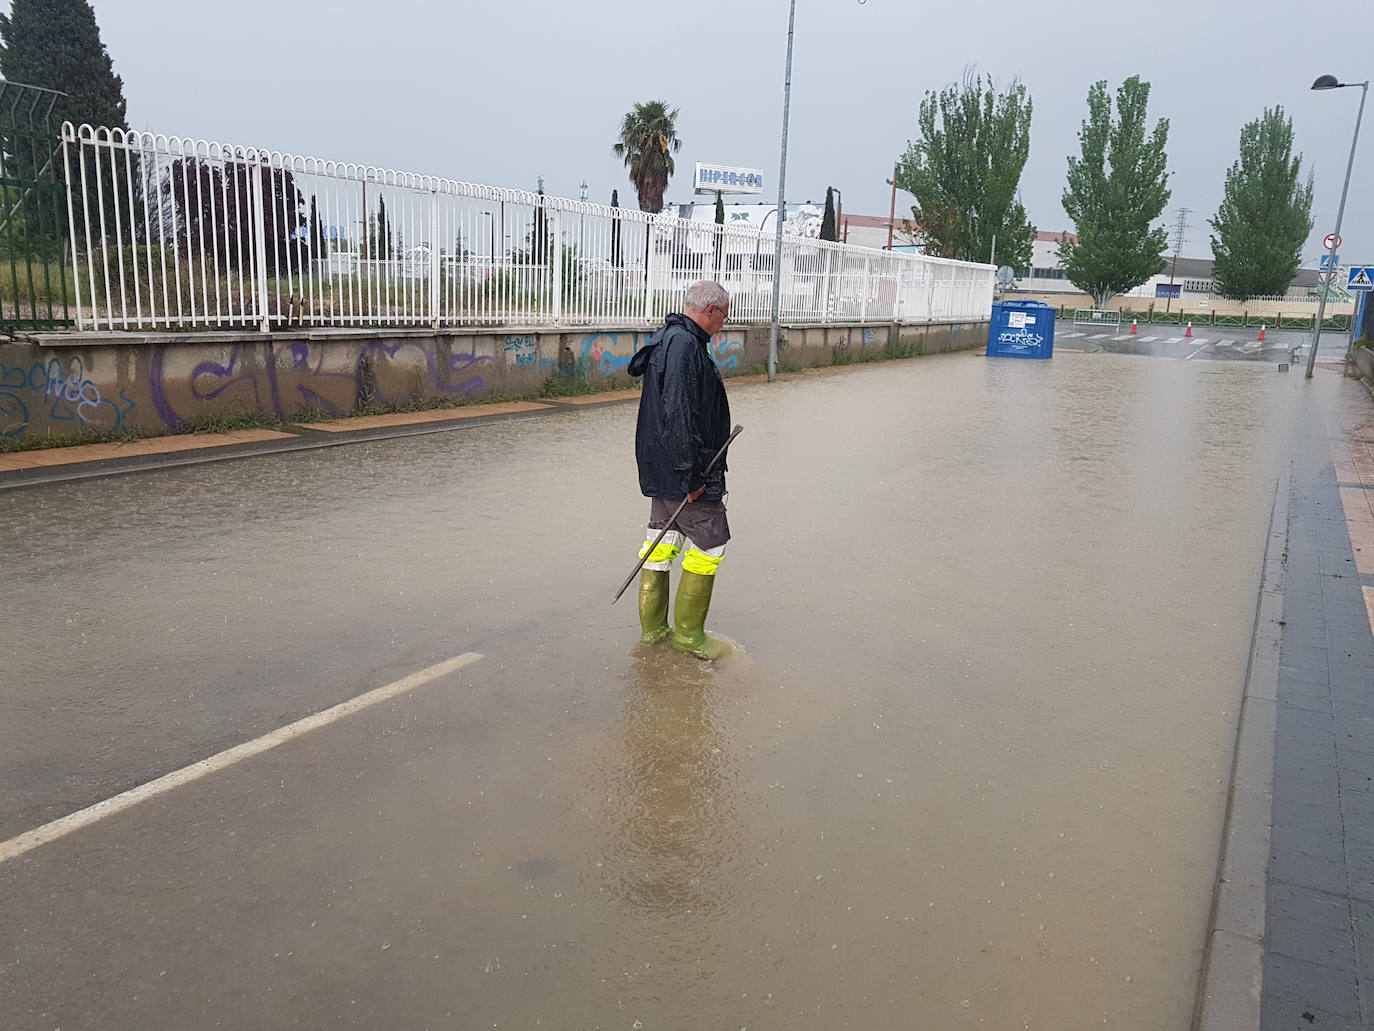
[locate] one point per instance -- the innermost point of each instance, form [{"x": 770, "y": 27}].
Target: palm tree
[{"x": 648, "y": 140}]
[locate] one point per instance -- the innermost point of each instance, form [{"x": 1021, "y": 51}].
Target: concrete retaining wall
[
  {"x": 1364, "y": 362},
  {"x": 65, "y": 383}
]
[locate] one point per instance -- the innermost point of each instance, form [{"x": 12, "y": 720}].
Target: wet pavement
[
  {"x": 1203, "y": 342},
  {"x": 970, "y": 768},
  {"x": 1320, "y": 922}
]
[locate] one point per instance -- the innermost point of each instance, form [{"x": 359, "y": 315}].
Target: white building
[{"x": 1183, "y": 279}]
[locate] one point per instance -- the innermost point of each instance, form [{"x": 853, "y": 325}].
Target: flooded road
[{"x": 969, "y": 769}]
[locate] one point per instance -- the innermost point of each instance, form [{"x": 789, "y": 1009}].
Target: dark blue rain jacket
[{"x": 684, "y": 417}]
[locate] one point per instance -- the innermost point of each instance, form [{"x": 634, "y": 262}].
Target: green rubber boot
[
  {"x": 653, "y": 605},
  {"x": 689, "y": 618}
]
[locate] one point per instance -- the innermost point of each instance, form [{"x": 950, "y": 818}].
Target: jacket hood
[{"x": 677, "y": 320}]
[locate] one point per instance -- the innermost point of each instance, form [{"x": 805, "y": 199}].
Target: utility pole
[
  {"x": 892, "y": 213},
  {"x": 1180, "y": 234}
]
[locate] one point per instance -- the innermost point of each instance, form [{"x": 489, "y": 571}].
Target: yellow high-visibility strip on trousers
[
  {"x": 661, "y": 560},
  {"x": 703, "y": 563}
]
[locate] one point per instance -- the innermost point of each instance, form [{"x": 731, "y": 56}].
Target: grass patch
[
  {"x": 47, "y": 441},
  {"x": 228, "y": 422},
  {"x": 566, "y": 385}
]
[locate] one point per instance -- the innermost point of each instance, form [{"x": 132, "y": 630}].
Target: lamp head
[{"x": 1327, "y": 82}]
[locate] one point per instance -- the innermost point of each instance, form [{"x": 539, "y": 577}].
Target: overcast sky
[{"x": 505, "y": 91}]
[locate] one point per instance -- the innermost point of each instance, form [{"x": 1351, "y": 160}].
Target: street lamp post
[
  {"x": 782, "y": 186},
  {"x": 1326, "y": 82}
]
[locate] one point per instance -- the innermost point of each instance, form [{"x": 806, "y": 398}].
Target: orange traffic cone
[
  {"x": 1190, "y": 328},
  {"x": 1262, "y": 331},
  {"x": 1133, "y": 330}
]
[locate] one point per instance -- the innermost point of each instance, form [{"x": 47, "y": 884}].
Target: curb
[
  {"x": 1229, "y": 995},
  {"x": 305, "y": 440}
]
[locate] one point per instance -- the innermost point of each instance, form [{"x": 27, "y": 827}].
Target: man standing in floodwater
[{"x": 684, "y": 419}]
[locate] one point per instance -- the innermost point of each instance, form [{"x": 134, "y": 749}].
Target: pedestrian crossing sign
[{"x": 1361, "y": 278}]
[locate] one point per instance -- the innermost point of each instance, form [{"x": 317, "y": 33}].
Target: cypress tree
[
  {"x": 828, "y": 219},
  {"x": 615, "y": 231},
  {"x": 56, "y": 44},
  {"x": 720, "y": 221}
]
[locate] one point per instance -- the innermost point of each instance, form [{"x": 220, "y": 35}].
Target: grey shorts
[{"x": 703, "y": 522}]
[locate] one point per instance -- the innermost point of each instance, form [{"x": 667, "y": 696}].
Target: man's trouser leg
[
  {"x": 694, "y": 601},
  {"x": 653, "y": 584}
]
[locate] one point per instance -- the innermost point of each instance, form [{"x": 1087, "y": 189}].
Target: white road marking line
[
  {"x": 1101, "y": 336},
  {"x": 1198, "y": 351},
  {"x": 1225, "y": 343},
  {"x": 1146, "y": 340},
  {"x": 30, "y": 840},
  {"x": 1175, "y": 340},
  {"x": 1065, "y": 336}
]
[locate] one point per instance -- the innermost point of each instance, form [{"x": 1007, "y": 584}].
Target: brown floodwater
[{"x": 968, "y": 768}]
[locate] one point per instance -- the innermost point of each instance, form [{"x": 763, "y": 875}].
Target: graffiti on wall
[
  {"x": 728, "y": 353},
  {"x": 599, "y": 352},
  {"x": 306, "y": 375},
  {"x": 51, "y": 391},
  {"x": 524, "y": 352}
]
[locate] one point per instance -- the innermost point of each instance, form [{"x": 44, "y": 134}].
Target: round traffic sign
[{"x": 1327, "y": 242}]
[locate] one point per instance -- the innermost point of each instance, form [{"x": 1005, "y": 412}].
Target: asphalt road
[{"x": 970, "y": 761}]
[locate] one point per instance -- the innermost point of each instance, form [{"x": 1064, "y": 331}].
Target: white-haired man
[{"x": 684, "y": 419}]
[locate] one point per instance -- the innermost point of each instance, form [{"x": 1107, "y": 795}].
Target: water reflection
[{"x": 673, "y": 812}]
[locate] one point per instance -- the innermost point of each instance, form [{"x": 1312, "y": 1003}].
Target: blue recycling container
[{"x": 1021, "y": 329}]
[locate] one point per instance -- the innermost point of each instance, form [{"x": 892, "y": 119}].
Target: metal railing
[
  {"x": 1097, "y": 317},
  {"x": 174, "y": 233},
  {"x": 35, "y": 273}
]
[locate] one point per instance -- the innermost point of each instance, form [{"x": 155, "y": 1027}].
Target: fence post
[
  {"x": 434, "y": 264},
  {"x": 649, "y": 270},
  {"x": 557, "y": 244},
  {"x": 71, "y": 230},
  {"x": 260, "y": 241},
  {"x": 825, "y": 286},
  {"x": 897, "y": 295},
  {"x": 868, "y": 272}
]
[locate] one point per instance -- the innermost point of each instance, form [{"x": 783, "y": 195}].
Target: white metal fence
[{"x": 181, "y": 233}]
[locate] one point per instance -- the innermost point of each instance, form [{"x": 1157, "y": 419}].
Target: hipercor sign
[{"x": 728, "y": 179}]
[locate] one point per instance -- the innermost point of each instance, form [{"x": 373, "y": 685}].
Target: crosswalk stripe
[
  {"x": 1100, "y": 336},
  {"x": 1174, "y": 340},
  {"x": 1225, "y": 343},
  {"x": 1146, "y": 340}
]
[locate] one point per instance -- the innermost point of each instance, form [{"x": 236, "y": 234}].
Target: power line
[
  {"x": 1180, "y": 235},
  {"x": 1181, "y": 228}
]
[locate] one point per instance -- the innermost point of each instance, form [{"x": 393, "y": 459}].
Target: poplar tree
[
  {"x": 965, "y": 170},
  {"x": 1265, "y": 213},
  {"x": 1117, "y": 188}
]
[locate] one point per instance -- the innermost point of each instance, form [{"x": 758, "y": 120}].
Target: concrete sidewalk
[
  {"x": 48, "y": 465},
  {"x": 1318, "y": 969}
]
